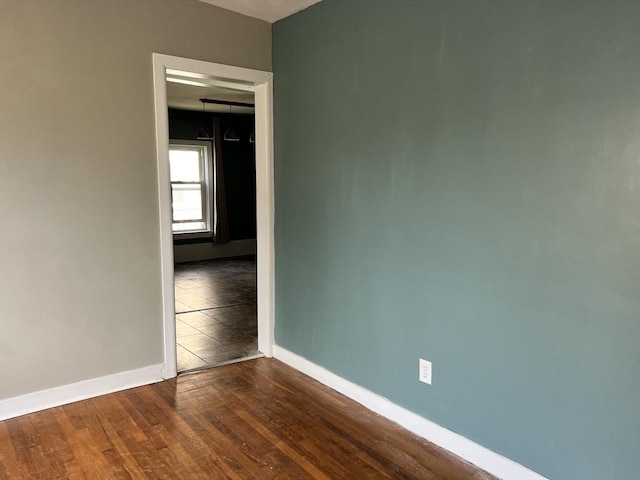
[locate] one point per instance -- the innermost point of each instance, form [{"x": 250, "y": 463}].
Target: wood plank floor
[{"x": 258, "y": 420}]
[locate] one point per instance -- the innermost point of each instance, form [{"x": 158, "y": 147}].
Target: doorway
[
  {"x": 213, "y": 189},
  {"x": 235, "y": 78}
]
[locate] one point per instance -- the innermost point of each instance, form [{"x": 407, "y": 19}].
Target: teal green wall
[{"x": 459, "y": 181}]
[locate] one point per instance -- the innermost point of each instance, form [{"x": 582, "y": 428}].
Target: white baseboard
[
  {"x": 53, "y": 397},
  {"x": 490, "y": 461}
]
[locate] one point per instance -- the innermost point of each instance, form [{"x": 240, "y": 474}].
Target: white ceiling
[
  {"x": 184, "y": 91},
  {"x": 187, "y": 97},
  {"x": 269, "y": 10}
]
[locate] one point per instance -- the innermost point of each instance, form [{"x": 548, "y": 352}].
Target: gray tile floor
[{"x": 216, "y": 318}]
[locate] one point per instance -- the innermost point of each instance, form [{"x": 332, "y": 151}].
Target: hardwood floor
[{"x": 258, "y": 420}]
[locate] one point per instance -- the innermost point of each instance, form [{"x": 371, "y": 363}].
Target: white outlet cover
[{"x": 424, "y": 374}]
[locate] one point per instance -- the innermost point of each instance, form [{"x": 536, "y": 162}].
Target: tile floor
[{"x": 216, "y": 317}]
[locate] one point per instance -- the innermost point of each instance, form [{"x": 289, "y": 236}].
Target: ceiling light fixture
[
  {"x": 231, "y": 135},
  {"x": 204, "y": 133}
]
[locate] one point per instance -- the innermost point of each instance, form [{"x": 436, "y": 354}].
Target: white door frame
[{"x": 261, "y": 83}]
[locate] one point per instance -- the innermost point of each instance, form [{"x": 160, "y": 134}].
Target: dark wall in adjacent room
[{"x": 239, "y": 162}]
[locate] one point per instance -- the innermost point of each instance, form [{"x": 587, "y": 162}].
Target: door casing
[{"x": 261, "y": 84}]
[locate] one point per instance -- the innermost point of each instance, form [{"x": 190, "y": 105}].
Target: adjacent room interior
[{"x": 213, "y": 191}]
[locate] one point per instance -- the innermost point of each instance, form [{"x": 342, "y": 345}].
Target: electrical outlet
[{"x": 425, "y": 371}]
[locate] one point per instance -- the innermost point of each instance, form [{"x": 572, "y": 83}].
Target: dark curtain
[{"x": 220, "y": 217}]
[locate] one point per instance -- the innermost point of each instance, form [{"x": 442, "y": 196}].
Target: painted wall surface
[
  {"x": 194, "y": 252},
  {"x": 239, "y": 160},
  {"x": 240, "y": 183},
  {"x": 80, "y": 292},
  {"x": 459, "y": 181}
]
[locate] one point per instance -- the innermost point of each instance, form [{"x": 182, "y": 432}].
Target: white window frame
[{"x": 208, "y": 188}]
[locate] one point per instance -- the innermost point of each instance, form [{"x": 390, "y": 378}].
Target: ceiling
[
  {"x": 185, "y": 89},
  {"x": 187, "y": 97},
  {"x": 268, "y": 10}
]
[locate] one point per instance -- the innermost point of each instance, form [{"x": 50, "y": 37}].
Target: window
[{"x": 191, "y": 175}]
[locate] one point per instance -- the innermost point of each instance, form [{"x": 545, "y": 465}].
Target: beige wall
[{"x": 79, "y": 237}]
